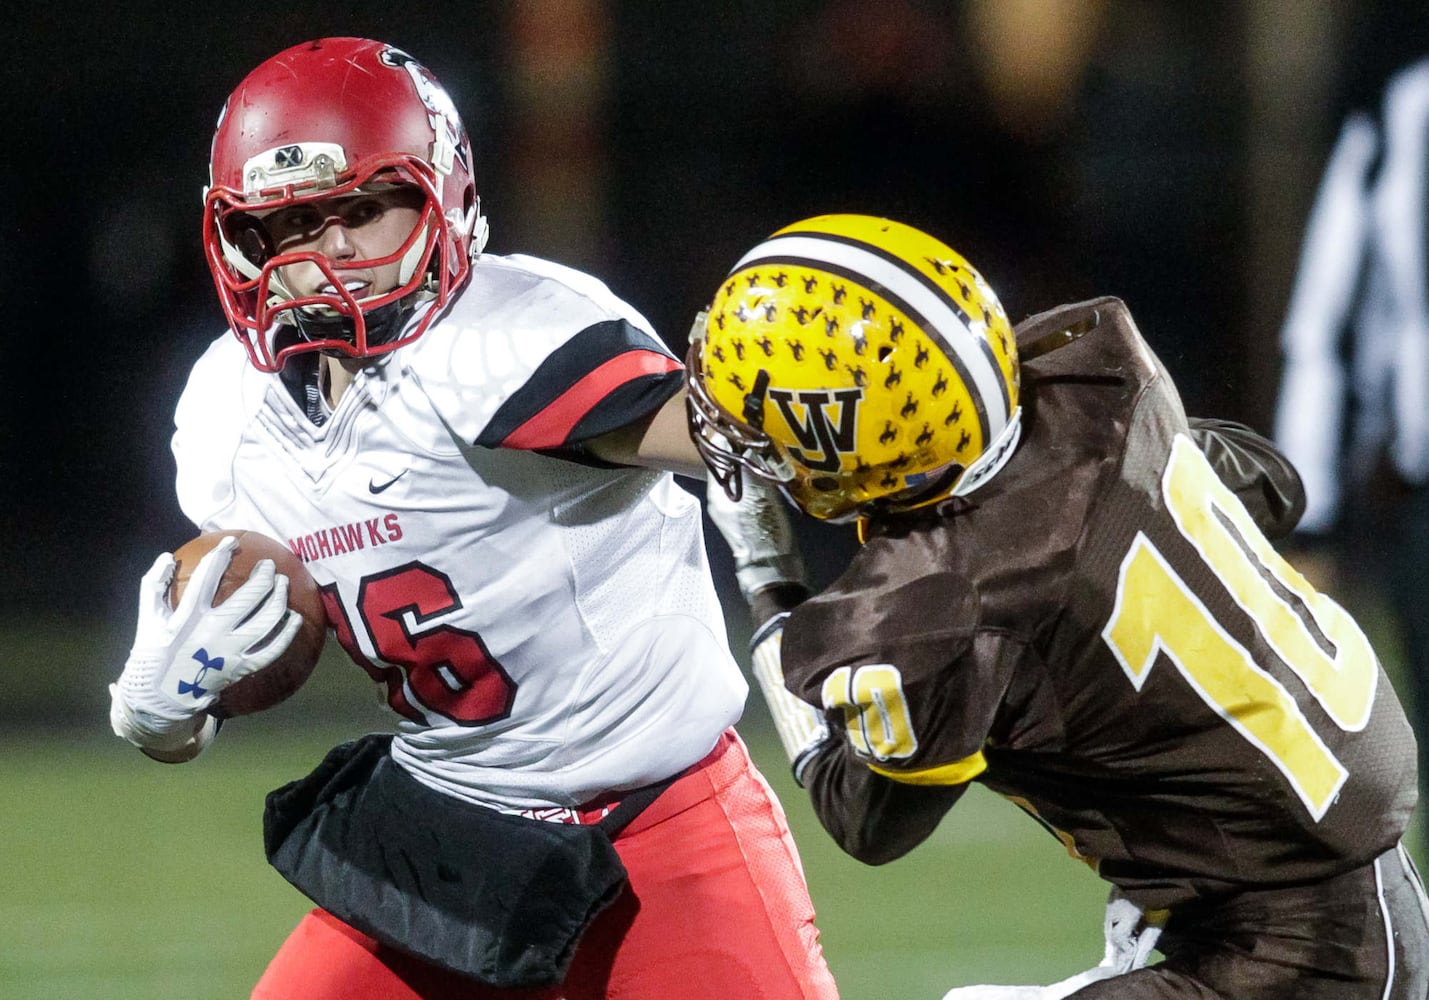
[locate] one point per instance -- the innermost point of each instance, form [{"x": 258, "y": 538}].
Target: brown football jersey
[{"x": 1104, "y": 635}]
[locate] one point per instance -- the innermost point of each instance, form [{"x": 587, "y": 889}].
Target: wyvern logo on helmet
[{"x": 822, "y": 442}]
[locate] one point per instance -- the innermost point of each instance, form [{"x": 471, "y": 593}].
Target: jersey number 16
[{"x": 427, "y": 668}]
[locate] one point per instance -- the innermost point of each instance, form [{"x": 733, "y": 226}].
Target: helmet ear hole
[{"x": 248, "y": 236}]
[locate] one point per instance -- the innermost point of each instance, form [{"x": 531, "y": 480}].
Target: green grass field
[{"x": 132, "y": 880}]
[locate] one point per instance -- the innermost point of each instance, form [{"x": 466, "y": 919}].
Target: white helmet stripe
[{"x": 938, "y": 314}]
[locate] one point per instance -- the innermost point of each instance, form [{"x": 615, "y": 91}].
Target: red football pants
[{"x": 716, "y": 908}]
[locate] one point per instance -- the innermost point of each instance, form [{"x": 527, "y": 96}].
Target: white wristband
[
  {"x": 160, "y": 739},
  {"x": 800, "y": 726}
]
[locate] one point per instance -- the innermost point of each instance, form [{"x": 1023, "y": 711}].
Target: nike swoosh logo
[{"x": 374, "y": 487}]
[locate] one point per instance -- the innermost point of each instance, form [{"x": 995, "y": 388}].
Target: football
[{"x": 274, "y": 683}]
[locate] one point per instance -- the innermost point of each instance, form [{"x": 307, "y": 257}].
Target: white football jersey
[{"x": 546, "y": 629}]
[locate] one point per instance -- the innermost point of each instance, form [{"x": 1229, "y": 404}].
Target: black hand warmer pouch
[{"x": 500, "y": 898}]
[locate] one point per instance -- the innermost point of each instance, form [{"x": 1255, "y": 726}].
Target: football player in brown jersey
[{"x": 1065, "y": 592}]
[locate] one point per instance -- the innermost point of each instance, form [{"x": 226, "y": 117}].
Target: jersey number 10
[{"x": 1156, "y": 612}]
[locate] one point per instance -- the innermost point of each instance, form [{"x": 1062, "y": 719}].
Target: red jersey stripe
[{"x": 552, "y": 425}]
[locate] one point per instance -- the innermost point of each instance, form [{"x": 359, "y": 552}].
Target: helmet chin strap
[
  {"x": 475, "y": 223},
  {"x": 382, "y": 324},
  {"x": 413, "y": 257}
]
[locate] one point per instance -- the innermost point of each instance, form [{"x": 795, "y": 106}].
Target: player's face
[{"x": 357, "y": 227}]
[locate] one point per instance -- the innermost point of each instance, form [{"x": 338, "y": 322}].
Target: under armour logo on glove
[{"x": 195, "y": 687}]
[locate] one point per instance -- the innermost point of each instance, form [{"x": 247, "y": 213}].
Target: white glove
[
  {"x": 182, "y": 658},
  {"x": 759, "y": 535},
  {"x": 1131, "y": 936}
]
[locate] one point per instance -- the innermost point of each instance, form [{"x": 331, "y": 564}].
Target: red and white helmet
[{"x": 321, "y": 120}]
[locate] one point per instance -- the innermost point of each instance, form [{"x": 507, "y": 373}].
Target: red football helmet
[{"x": 321, "y": 120}]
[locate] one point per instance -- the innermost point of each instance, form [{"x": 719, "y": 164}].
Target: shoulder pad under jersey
[
  {"x": 222, "y": 393},
  {"x": 529, "y": 338}
]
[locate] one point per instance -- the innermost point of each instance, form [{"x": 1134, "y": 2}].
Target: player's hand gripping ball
[{"x": 274, "y": 683}]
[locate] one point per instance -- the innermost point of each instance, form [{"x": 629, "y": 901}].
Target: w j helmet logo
[
  {"x": 195, "y": 687},
  {"x": 826, "y": 430},
  {"x": 895, "y": 363}
]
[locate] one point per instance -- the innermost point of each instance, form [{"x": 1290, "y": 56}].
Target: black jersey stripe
[
  {"x": 596, "y": 345},
  {"x": 627, "y": 403}
]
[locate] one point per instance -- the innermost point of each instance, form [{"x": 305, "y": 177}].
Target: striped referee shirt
[{"x": 1355, "y": 385}]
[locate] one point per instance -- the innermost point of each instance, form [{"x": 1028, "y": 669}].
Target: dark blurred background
[
  {"x": 1162, "y": 151},
  {"x": 1165, "y": 151}
]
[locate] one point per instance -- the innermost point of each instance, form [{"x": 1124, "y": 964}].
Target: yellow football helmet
[{"x": 859, "y": 364}]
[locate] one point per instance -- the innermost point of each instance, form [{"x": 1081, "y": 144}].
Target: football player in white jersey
[{"x": 473, "y": 454}]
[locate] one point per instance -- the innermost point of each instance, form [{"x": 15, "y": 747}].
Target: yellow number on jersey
[
  {"x": 874, "y": 709},
  {"x": 1157, "y": 612}
]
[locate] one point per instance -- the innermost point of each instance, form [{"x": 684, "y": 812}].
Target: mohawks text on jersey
[{"x": 341, "y": 539}]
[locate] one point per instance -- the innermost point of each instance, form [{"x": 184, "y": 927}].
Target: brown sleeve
[
  {"x": 1255, "y": 470},
  {"x": 871, "y": 817}
]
